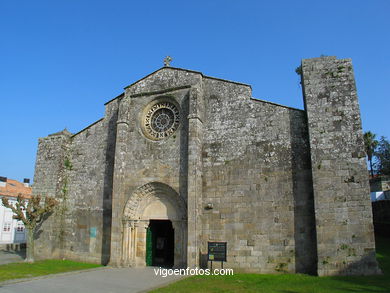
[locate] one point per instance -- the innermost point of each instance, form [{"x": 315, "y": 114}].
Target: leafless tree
[{"x": 31, "y": 212}]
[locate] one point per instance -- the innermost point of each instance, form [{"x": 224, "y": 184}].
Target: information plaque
[{"x": 217, "y": 251}]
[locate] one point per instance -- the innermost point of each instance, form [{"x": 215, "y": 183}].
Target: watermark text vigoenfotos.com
[{"x": 192, "y": 272}]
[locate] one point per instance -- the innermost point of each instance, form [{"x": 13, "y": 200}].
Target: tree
[
  {"x": 383, "y": 156},
  {"x": 370, "y": 144},
  {"x": 32, "y": 214}
]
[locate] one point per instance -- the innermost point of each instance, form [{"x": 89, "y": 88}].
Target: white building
[
  {"x": 380, "y": 188},
  {"x": 11, "y": 230}
]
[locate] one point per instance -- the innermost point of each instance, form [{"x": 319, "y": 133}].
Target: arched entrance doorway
[
  {"x": 154, "y": 227},
  {"x": 160, "y": 243}
]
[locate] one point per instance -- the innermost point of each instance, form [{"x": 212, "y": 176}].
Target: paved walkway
[
  {"x": 102, "y": 280},
  {"x": 11, "y": 256}
]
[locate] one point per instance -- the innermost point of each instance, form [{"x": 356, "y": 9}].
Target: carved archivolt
[{"x": 150, "y": 193}]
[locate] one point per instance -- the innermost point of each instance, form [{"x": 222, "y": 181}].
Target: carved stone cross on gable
[{"x": 167, "y": 61}]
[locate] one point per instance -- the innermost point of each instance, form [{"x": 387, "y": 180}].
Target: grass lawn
[
  {"x": 39, "y": 268},
  {"x": 289, "y": 283}
]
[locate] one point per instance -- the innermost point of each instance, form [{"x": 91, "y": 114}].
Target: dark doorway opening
[{"x": 160, "y": 243}]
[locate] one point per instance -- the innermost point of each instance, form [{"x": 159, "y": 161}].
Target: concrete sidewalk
[
  {"x": 102, "y": 280},
  {"x": 11, "y": 256}
]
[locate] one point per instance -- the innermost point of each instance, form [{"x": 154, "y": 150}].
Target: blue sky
[{"x": 60, "y": 61}]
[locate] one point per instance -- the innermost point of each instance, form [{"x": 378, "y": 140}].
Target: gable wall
[{"x": 139, "y": 160}]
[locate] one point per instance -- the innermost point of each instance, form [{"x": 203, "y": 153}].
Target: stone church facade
[{"x": 180, "y": 159}]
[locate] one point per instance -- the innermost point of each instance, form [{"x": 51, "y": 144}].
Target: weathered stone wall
[
  {"x": 164, "y": 79},
  {"x": 139, "y": 160},
  {"x": 287, "y": 188},
  {"x": 82, "y": 167},
  {"x": 90, "y": 185},
  {"x": 222, "y": 114},
  {"x": 50, "y": 163},
  {"x": 248, "y": 158},
  {"x": 195, "y": 173},
  {"x": 256, "y": 175},
  {"x": 345, "y": 238},
  {"x": 48, "y": 181}
]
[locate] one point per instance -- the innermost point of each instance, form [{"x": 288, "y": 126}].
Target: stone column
[
  {"x": 195, "y": 142},
  {"x": 127, "y": 243},
  {"x": 345, "y": 236},
  {"x": 133, "y": 246},
  {"x": 140, "y": 242}
]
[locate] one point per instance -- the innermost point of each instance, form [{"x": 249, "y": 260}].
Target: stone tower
[{"x": 345, "y": 236}]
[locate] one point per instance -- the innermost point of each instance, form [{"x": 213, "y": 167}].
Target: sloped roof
[{"x": 13, "y": 188}]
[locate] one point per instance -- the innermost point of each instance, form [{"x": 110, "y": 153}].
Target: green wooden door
[{"x": 149, "y": 247}]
